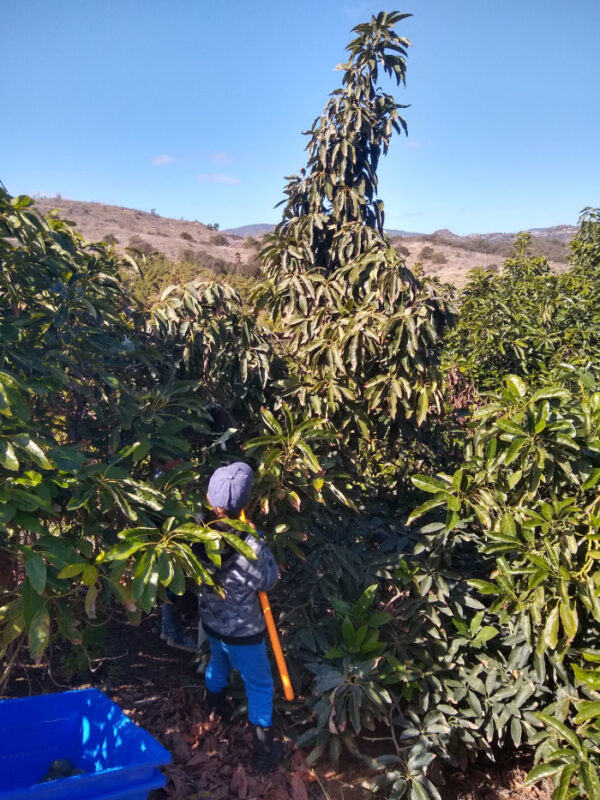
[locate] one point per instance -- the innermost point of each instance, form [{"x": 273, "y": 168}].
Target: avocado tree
[
  {"x": 360, "y": 331},
  {"x": 96, "y": 394}
]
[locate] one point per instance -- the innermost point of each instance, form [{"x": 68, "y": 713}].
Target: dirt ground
[{"x": 161, "y": 689}]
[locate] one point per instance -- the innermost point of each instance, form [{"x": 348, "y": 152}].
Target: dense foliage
[
  {"x": 360, "y": 332},
  {"x": 98, "y": 399},
  {"x": 413, "y": 647}
]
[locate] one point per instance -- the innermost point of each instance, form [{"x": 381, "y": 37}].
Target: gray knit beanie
[{"x": 230, "y": 487}]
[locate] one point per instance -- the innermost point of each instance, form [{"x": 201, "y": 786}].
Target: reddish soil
[{"x": 161, "y": 689}]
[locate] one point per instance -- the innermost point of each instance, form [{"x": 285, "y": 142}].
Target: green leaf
[
  {"x": 13, "y": 623},
  {"x": 165, "y": 568},
  {"x": 562, "y": 791},
  {"x": 90, "y": 601},
  {"x": 586, "y": 710},
  {"x": 66, "y": 624},
  {"x": 422, "y": 406},
  {"x": 592, "y": 480},
  {"x": 541, "y": 771},
  {"x": 484, "y": 587},
  {"x": 507, "y": 526},
  {"x": 142, "y": 573},
  {"x": 516, "y": 731},
  {"x": 33, "y": 450},
  {"x": 509, "y": 427},
  {"x": 271, "y": 422},
  {"x": 239, "y": 545},
  {"x": 8, "y": 457},
  {"x": 591, "y": 677},
  {"x": 32, "y": 602},
  {"x": 550, "y": 636},
  {"x": 591, "y": 655},
  {"x": 563, "y": 731},
  {"x": 35, "y": 569},
  {"x": 591, "y": 781},
  {"x": 417, "y": 791},
  {"x": 424, "y": 508},
  {"x": 29, "y": 523},
  {"x": 348, "y": 631},
  {"x": 39, "y": 633},
  {"x": 429, "y": 484},
  {"x": 71, "y": 570},
  {"x": 570, "y": 619},
  {"x": 177, "y": 585},
  {"x": 549, "y": 393},
  {"x": 89, "y": 576},
  {"x": 514, "y": 450},
  {"x": 516, "y": 386},
  {"x": 122, "y": 552},
  {"x": 485, "y": 634}
]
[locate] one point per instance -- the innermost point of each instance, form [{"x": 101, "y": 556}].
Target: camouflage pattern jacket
[{"x": 237, "y": 618}]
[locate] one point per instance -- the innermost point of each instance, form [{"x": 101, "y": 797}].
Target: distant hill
[
  {"x": 264, "y": 227},
  {"x": 128, "y": 228},
  {"x": 559, "y": 232},
  {"x": 251, "y": 230},
  {"x": 442, "y": 253},
  {"x": 392, "y": 233}
]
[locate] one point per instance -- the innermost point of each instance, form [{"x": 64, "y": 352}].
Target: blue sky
[{"x": 195, "y": 108}]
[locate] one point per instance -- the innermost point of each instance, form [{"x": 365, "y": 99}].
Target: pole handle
[
  {"x": 274, "y": 637},
  {"x": 279, "y": 657}
]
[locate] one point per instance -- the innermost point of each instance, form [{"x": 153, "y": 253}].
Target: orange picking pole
[
  {"x": 279, "y": 657},
  {"x": 274, "y": 637}
]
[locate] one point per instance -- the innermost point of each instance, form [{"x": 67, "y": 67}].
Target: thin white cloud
[
  {"x": 355, "y": 10},
  {"x": 411, "y": 144},
  {"x": 218, "y": 178},
  {"x": 162, "y": 160},
  {"x": 220, "y": 157}
]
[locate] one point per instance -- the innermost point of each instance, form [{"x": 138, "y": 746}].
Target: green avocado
[
  {"x": 62, "y": 766},
  {"x": 53, "y": 775}
]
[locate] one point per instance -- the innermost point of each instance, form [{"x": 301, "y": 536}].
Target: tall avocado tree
[{"x": 361, "y": 331}]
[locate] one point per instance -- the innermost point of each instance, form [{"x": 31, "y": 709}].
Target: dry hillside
[
  {"x": 443, "y": 254},
  {"x": 147, "y": 232}
]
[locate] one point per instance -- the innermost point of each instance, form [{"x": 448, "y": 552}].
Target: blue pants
[{"x": 253, "y": 665}]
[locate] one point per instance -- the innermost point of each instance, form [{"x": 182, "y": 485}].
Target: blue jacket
[{"x": 237, "y": 618}]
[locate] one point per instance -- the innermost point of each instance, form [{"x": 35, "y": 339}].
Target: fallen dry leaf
[
  {"x": 298, "y": 788},
  {"x": 199, "y": 757},
  {"x": 278, "y": 793},
  {"x": 239, "y": 782},
  {"x": 298, "y": 761},
  {"x": 181, "y": 749}
]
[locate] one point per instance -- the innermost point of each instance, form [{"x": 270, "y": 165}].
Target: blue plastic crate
[{"x": 120, "y": 759}]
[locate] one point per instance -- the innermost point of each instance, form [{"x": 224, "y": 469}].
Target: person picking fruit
[{"x": 234, "y": 623}]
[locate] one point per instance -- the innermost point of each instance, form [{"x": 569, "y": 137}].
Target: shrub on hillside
[
  {"x": 401, "y": 249},
  {"x": 141, "y": 245},
  {"x": 426, "y": 253}
]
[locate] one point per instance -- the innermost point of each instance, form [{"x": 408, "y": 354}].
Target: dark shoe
[
  {"x": 217, "y": 702},
  {"x": 180, "y": 640},
  {"x": 268, "y": 754},
  {"x": 172, "y": 630}
]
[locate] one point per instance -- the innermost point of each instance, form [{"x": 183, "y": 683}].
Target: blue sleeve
[
  {"x": 260, "y": 574},
  {"x": 268, "y": 569}
]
